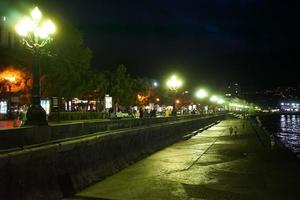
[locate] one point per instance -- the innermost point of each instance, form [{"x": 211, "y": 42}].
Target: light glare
[
  {"x": 32, "y": 25},
  {"x": 25, "y": 26},
  {"x": 174, "y": 83},
  {"x": 36, "y": 14},
  {"x": 220, "y": 101},
  {"x": 201, "y": 94},
  {"x": 49, "y": 26},
  {"x": 214, "y": 98},
  {"x": 42, "y": 33}
]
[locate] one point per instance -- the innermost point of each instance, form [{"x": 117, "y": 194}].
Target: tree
[
  {"x": 96, "y": 87},
  {"x": 66, "y": 69},
  {"x": 120, "y": 87},
  {"x": 141, "y": 91}
]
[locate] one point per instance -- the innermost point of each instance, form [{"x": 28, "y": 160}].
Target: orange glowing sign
[
  {"x": 10, "y": 78},
  {"x": 14, "y": 78},
  {"x": 143, "y": 99}
]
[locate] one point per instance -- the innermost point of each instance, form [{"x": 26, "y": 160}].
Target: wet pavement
[{"x": 210, "y": 165}]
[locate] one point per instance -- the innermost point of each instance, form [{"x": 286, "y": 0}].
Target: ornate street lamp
[
  {"x": 174, "y": 84},
  {"x": 201, "y": 94},
  {"x": 35, "y": 33}
]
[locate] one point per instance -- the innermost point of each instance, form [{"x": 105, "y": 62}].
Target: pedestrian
[
  {"x": 141, "y": 111},
  {"x": 235, "y": 131},
  {"x": 24, "y": 115},
  {"x": 153, "y": 113},
  {"x": 230, "y": 130}
]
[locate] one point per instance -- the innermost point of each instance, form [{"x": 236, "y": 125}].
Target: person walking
[
  {"x": 141, "y": 111},
  {"x": 24, "y": 115},
  {"x": 230, "y": 130}
]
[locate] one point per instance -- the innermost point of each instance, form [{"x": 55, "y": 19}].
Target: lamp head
[
  {"x": 36, "y": 14},
  {"x": 33, "y": 25}
]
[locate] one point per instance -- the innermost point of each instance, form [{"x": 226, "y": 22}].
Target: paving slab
[{"x": 210, "y": 165}]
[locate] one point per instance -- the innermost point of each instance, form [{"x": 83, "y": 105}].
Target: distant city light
[
  {"x": 289, "y": 107},
  {"x": 155, "y": 84}
]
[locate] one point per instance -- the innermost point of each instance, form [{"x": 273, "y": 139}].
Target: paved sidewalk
[{"x": 210, "y": 165}]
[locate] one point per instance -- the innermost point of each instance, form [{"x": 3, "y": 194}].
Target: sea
[{"x": 286, "y": 128}]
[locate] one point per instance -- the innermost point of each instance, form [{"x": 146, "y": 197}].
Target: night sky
[{"x": 211, "y": 42}]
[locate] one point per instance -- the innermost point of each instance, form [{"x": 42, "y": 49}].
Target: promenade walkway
[{"x": 210, "y": 165}]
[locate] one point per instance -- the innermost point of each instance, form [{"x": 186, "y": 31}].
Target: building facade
[
  {"x": 232, "y": 90},
  {"x": 7, "y": 35}
]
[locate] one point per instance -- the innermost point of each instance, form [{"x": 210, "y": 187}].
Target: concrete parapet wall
[
  {"x": 19, "y": 137},
  {"x": 59, "y": 169}
]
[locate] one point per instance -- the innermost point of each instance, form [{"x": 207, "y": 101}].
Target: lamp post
[
  {"x": 174, "y": 84},
  {"x": 35, "y": 34},
  {"x": 201, "y": 94},
  {"x": 217, "y": 100}
]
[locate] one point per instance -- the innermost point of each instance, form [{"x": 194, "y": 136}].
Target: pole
[
  {"x": 174, "y": 103},
  {"x": 36, "y": 87},
  {"x": 36, "y": 114}
]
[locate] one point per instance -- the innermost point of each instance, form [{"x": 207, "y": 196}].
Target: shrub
[{"x": 68, "y": 116}]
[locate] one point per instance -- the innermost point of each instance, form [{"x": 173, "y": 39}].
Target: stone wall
[
  {"x": 19, "y": 138},
  {"x": 60, "y": 169}
]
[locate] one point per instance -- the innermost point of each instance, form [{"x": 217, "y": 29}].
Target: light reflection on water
[{"x": 289, "y": 132}]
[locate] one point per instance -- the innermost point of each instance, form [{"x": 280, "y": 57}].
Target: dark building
[{"x": 7, "y": 35}]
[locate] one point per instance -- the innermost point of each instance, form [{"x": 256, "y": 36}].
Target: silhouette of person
[
  {"x": 230, "y": 130},
  {"x": 141, "y": 112}
]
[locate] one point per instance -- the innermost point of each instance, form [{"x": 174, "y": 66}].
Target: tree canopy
[{"x": 66, "y": 69}]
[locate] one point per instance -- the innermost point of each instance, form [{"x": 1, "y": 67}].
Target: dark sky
[{"x": 253, "y": 42}]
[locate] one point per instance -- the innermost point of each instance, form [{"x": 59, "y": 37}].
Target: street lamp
[
  {"x": 214, "y": 98},
  {"x": 35, "y": 34},
  {"x": 201, "y": 93},
  {"x": 174, "y": 84}
]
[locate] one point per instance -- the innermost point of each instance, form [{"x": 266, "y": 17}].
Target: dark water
[{"x": 286, "y": 128}]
